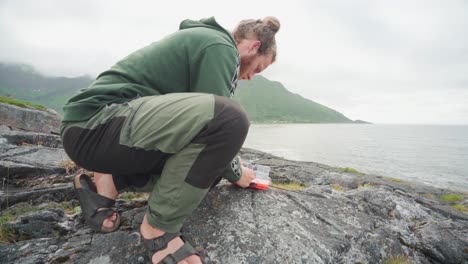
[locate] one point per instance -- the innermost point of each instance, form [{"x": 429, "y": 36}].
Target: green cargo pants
[{"x": 177, "y": 145}]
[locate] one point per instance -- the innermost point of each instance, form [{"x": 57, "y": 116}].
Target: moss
[
  {"x": 460, "y": 207},
  {"x": 20, "y": 103},
  {"x": 396, "y": 180},
  {"x": 130, "y": 196},
  {"x": 350, "y": 170},
  {"x": 366, "y": 185},
  {"x": 398, "y": 259},
  {"x": 293, "y": 186},
  {"x": 70, "y": 207},
  {"x": 451, "y": 198},
  {"x": 337, "y": 187},
  {"x": 7, "y": 234}
]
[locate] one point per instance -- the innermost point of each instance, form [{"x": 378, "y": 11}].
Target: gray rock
[
  {"x": 31, "y": 161},
  {"x": 40, "y": 224},
  {"x": 62, "y": 192},
  {"x": 29, "y": 119},
  {"x": 314, "y": 225},
  {"x": 10, "y": 137}
]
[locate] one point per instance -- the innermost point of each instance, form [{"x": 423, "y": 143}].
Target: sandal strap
[
  {"x": 159, "y": 243},
  {"x": 181, "y": 253},
  {"x": 91, "y": 201}
]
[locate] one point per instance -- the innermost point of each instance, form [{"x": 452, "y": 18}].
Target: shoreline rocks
[{"x": 334, "y": 217}]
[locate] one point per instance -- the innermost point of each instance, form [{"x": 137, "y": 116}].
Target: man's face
[{"x": 253, "y": 64}]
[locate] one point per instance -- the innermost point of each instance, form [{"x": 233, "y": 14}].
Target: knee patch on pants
[{"x": 223, "y": 137}]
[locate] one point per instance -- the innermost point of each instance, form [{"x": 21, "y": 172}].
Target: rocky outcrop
[
  {"x": 368, "y": 219},
  {"x": 29, "y": 119}
]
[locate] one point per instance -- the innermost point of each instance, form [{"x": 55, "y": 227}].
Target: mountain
[
  {"x": 24, "y": 82},
  {"x": 270, "y": 102},
  {"x": 265, "y": 101}
]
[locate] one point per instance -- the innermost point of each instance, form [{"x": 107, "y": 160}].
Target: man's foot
[
  {"x": 105, "y": 186},
  {"x": 149, "y": 232},
  {"x": 96, "y": 208}
]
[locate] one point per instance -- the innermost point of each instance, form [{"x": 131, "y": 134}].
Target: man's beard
[{"x": 246, "y": 61}]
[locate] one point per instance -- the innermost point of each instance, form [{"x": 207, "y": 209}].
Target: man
[{"x": 161, "y": 120}]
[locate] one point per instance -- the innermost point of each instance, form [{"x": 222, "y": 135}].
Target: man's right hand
[{"x": 248, "y": 175}]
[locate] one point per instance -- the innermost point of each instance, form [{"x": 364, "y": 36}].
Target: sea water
[{"x": 435, "y": 155}]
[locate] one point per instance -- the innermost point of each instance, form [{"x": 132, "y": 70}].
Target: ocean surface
[{"x": 436, "y": 155}]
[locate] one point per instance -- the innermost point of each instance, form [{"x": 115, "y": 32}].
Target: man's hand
[{"x": 246, "y": 178}]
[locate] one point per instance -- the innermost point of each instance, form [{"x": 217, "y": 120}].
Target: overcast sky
[{"x": 380, "y": 61}]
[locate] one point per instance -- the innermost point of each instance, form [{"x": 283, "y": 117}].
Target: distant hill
[
  {"x": 269, "y": 102},
  {"x": 23, "y": 82},
  {"x": 265, "y": 101}
]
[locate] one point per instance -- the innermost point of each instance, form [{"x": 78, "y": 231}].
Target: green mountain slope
[
  {"x": 23, "y": 82},
  {"x": 265, "y": 101},
  {"x": 269, "y": 102}
]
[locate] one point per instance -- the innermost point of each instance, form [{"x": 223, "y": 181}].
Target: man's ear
[{"x": 255, "y": 45}]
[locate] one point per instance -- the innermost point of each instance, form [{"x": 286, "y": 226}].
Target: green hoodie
[{"x": 201, "y": 57}]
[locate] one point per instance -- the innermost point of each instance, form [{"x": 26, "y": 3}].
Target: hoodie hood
[{"x": 206, "y": 23}]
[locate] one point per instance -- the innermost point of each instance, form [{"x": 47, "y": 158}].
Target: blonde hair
[{"x": 262, "y": 29}]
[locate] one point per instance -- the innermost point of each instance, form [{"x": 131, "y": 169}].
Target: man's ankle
[
  {"x": 149, "y": 231},
  {"x": 105, "y": 185}
]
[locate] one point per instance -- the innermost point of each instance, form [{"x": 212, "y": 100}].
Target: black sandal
[
  {"x": 95, "y": 208},
  {"x": 159, "y": 243}
]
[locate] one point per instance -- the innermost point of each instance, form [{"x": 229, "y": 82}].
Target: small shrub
[{"x": 451, "y": 198}]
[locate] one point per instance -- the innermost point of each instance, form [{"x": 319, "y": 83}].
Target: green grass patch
[
  {"x": 366, "y": 185},
  {"x": 396, "y": 180},
  {"x": 7, "y": 235},
  {"x": 293, "y": 186},
  {"x": 399, "y": 259},
  {"x": 337, "y": 187},
  {"x": 20, "y": 103},
  {"x": 460, "y": 207},
  {"x": 350, "y": 170},
  {"x": 451, "y": 198},
  {"x": 130, "y": 196},
  {"x": 70, "y": 207}
]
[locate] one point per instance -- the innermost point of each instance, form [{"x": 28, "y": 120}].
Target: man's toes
[
  {"x": 110, "y": 221},
  {"x": 194, "y": 259},
  {"x": 113, "y": 217}
]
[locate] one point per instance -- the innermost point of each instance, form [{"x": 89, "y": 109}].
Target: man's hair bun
[{"x": 272, "y": 22}]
